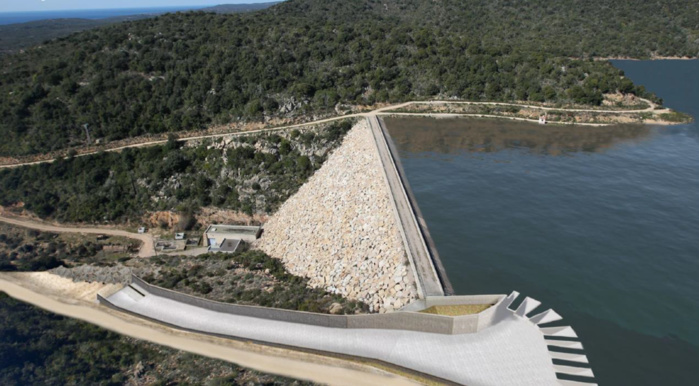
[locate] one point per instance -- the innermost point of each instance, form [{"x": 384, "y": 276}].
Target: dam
[{"x": 509, "y": 341}]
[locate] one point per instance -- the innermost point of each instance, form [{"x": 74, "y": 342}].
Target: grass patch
[{"x": 676, "y": 117}]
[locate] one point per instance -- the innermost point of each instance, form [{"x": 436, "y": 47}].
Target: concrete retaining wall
[
  {"x": 447, "y": 288},
  {"x": 254, "y": 311},
  {"x": 412, "y": 321},
  {"x": 404, "y": 320},
  {"x": 466, "y": 324}
]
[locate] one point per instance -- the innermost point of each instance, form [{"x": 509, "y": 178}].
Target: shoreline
[
  {"x": 146, "y": 141},
  {"x": 651, "y": 58}
]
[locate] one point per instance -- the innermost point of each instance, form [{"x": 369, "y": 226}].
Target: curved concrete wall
[
  {"x": 254, "y": 311},
  {"x": 403, "y": 320}
]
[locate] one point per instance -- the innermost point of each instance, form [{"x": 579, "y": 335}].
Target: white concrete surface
[
  {"x": 512, "y": 352},
  {"x": 547, "y": 316}
]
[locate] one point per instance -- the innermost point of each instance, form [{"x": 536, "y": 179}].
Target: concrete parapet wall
[
  {"x": 457, "y": 300},
  {"x": 488, "y": 317},
  {"x": 339, "y": 321},
  {"x": 466, "y": 324},
  {"x": 413, "y": 321}
]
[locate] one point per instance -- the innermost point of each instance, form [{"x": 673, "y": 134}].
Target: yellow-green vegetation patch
[
  {"x": 457, "y": 310},
  {"x": 676, "y": 117}
]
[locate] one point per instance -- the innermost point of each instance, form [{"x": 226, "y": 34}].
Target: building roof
[
  {"x": 239, "y": 229},
  {"x": 229, "y": 245}
]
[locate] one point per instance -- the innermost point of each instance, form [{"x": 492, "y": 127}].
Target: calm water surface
[{"x": 601, "y": 224}]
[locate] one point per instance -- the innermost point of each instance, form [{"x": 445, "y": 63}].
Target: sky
[{"x": 58, "y": 5}]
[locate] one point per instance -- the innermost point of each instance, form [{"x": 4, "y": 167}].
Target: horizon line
[{"x": 111, "y": 8}]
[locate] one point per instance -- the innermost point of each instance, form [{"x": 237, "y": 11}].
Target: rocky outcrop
[{"x": 340, "y": 231}]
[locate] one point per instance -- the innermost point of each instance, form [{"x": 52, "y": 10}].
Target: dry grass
[{"x": 457, "y": 310}]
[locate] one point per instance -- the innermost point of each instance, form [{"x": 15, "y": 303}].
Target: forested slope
[
  {"x": 14, "y": 37},
  {"x": 574, "y": 28},
  {"x": 194, "y": 70},
  {"x": 41, "y": 348}
]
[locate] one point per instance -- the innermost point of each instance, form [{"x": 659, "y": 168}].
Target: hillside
[
  {"x": 236, "y": 8},
  {"x": 572, "y": 28},
  {"x": 190, "y": 71},
  {"x": 39, "y": 347},
  {"x": 14, "y": 37}
]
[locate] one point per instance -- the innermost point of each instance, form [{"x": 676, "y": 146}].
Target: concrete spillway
[{"x": 512, "y": 351}]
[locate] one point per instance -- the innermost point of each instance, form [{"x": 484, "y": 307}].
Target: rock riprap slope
[{"x": 340, "y": 230}]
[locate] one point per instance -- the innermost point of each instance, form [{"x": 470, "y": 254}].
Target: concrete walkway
[
  {"x": 416, "y": 249},
  {"x": 512, "y": 352}
]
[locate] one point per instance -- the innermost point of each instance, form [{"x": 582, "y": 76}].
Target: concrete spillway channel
[
  {"x": 493, "y": 347},
  {"x": 431, "y": 276}
]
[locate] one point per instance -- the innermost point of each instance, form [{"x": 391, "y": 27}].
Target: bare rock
[
  {"x": 340, "y": 231},
  {"x": 335, "y": 308}
]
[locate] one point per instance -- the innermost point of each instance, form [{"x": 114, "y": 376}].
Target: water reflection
[{"x": 455, "y": 135}]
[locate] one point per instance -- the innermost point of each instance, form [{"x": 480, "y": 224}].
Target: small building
[
  {"x": 179, "y": 236},
  {"x": 142, "y": 230},
  {"x": 226, "y": 246},
  {"x": 215, "y": 234},
  {"x": 167, "y": 246}
]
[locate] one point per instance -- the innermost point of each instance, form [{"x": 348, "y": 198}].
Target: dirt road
[
  {"x": 200, "y": 344},
  {"x": 147, "y": 245},
  {"x": 382, "y": 110}
]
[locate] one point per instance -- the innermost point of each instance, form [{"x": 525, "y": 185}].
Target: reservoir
[{"x": 599, "y": 223}]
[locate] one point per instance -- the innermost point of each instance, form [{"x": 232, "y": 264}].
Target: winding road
[
  {"x": 147, "y": 245},
  {"x": 387, "y": 110}
]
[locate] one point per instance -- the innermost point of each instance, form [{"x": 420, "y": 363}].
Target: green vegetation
[
  {"x": 601, "y": 115},
  {"x": 253, "y": 174},
  {"x": 193, "y": 70},
  {"x": 14, "y": 37},
  {"x": 563, "y": 28},
  {"x": 38, "y": 347},
  {"x": 24, "y": 249},
  {"x": 248, "y": 277},
  {"x": 676, "y": 116}
]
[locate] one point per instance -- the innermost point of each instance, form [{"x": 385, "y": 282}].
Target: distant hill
[
  {"x": 14, "y": 37},
  {"x": 237, "y": 8},
  {"x": 300, "y": 58}
]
